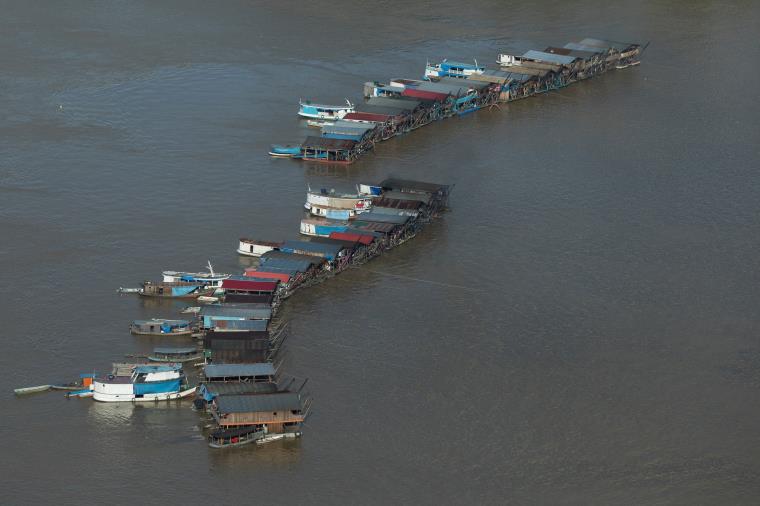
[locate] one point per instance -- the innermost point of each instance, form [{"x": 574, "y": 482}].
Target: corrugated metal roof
[
  {"x": 396, "y": 203},
  {"x": 583, "y": 47},
  {"x": 355, "y": 132},
  {"x": 320, "y": 248},
  {"x": 285, "y": 401},
  {"x": 284, "y": 255},
  {"x": 409, "y": 185},
  {"x": 238, "y": 388},
  {"x": 454, "y": 90},
  {"x": 377, "y": 109},
  {"x": 491, "y": 76},
  {"x": 425, "y": 94},
  {"x": 528, "y": 71},
  {"x": 405, "y": 103},
  {"x": 238, "y": 370},
  {"x": 586, "y": 55},
  {"x": 365, "y": 116},
  {"x": 373, "y": 226},
  {"x": 328, "y": 144},
  {"x": 456, "y": 81},
  {"x": 384, "y": 218},
  {"x": 620, "y": 46},
  {"x": 557, "y": 59}
]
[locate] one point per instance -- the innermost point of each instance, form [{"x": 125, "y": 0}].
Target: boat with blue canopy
[
  {"x": 308, "y": 109},
  {"x": 146, "y": 383}
]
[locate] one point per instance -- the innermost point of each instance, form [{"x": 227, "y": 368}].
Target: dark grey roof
[
  {"x": 457, "y": 81},
  {"x": 384, "y": 218},
  {"x": 285, "y": 401},
  {"x": 408, "y": 185},
  {"x": 236, "y": 388},
  {"x": 235, "y": 370}
]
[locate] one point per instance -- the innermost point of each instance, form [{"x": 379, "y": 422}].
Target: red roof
[
  {"x": 349, "y": 236},
  {"x": 267, "y": 275},
  {"x": 249, "y": 286},
  {"x": 366, "y": 116},
  {"x": 428, "y": 95}
]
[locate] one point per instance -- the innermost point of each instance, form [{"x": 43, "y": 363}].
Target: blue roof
[
  {"x": 235, "y": 370},
  {"x": 312, "y": 247},
  {"x": 557, "y": 59}
]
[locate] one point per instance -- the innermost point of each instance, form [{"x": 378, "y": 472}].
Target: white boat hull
[{"x": 165, "y": 396}]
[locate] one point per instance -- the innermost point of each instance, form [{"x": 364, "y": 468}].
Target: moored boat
[
  {"x": 175, "y": 290},
  {"x": 209, "y": 278},
  {"x": 307, "y": 109},
  {"x": 146, "y": 383},
  {"x": 452, "y": 69},
  {"x": 161, "y": 327},
  {"x": 32, "y": 390},
  {"x": 174, "y": 354},
  {"x": 239, "y": 436},
  {"x": 280, "y": 151},
  {"x": 256, "y": 248},
  {"x": 330, "y": 199}
]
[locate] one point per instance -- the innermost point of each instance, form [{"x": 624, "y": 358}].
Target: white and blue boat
[
  {"x": 146, "y": 383},
  {"x": 451, "y": 69},
  {"x": 209, "y": 278},
  {"x": 324, "y": 112},
  {"x": 280, "y": 151}
]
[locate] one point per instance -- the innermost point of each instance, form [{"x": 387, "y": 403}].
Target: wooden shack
[{"x": 279, "y": 412}]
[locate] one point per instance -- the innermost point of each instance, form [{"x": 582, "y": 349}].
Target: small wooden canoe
[{"x": 32, "y": 390}]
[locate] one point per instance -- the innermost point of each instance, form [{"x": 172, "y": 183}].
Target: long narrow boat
[
  {"x": 280, "y": 151},
  {"x": 32, "y": 390},
  {"x": 172, "y": 354},
  {"x": 240, "y": 436}
]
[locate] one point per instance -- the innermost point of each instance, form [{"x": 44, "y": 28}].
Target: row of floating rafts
[
  {"x": 457, "y": 83},
  {"x": 241, "y": 389},
  {"x": 247, "y": 402}
]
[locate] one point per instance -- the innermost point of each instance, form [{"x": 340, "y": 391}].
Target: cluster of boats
[
  {"x": 448, "y": 88},
  {"x": 238, "y": 387}
]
